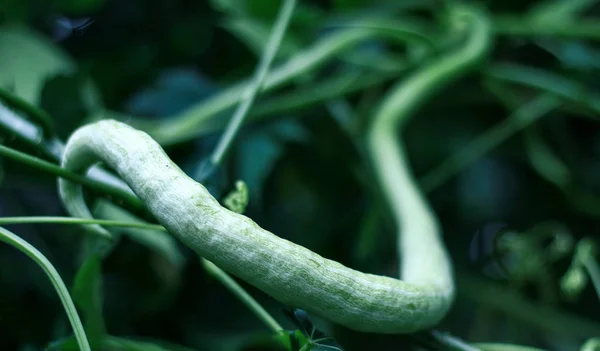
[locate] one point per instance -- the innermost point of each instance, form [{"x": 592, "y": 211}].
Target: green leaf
[
  {"x": 174, "y": 90},
  {"x": 573, "y": 54},
  {"x": 238, "y": 198},
  {"x": 292, "y": 340},
  {"x": 87, "y": 294},
  {"x": 33, "y": 60},
  {"x": 308, "y": 337},
  {"x": 63, "y": 98},
  {"x": 269, "y": 143}
]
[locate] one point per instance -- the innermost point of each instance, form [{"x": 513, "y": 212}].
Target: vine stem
[
  {"x": 408, "y": 205},
  {"x": 39, "y": 115},
  {"x": 593, "y": 270},
  {"x": 26, "y": 131},
  {"x": 504, "y": 347},
  {"x": 185, "y": 126},
  {"x": 519, "y": 26},
  {"x": 519, "y": 119},
  {"x": 213, "y": 270},
  {"x": 63, "y": 293},
  {"x": 242, "y": 295},
  {"x": 286, "y": 271},
  {"x": 550, "y": 320},
  {"x": 74, "y": 220},
  {"x": 283, "y": 18},
  {"x": 92, "y": 183}
]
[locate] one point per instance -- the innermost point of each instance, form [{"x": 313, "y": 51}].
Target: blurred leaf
[
  {"x": 63, "y": 27},
  {"x": 62, "y": 97},
  {"x": 558, "y": 10},
  {"x": 520, "y": 118},
  {"x": 87, "y": 294},
  {"x": 301, "y": 319},
  {"x": 259, "y": 151},
  {"x": 167, "y": 263},
  {"x": 32, "y": 112},
  {"x": 544, "y": 161},
  {"x": 572, "y": 91},
  {"x": 32, "y": 60},
  {"x": 368, "y": 237},
  {"x": 158, "y": 241},
  {"x": 175, "y": 90},
  {"x": 573, "y": 54},
  {"x": 292, "y": 340}
]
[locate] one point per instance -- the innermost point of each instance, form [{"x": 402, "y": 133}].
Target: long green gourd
[{"x": 288, "y": 272}]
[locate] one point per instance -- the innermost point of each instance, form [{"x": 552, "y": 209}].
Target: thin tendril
[
  {"x": 249, "y": 96},
  {"x": 63, "y": 293}
]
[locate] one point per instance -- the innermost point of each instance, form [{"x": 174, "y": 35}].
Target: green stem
[
  {"x": 321, "y": 92},
  {"x": 26, "y": 131},
  {"x": 504, "y": 347},
  {"x": 72, "y": 220},
  {"x": 185, "y": 126},
  {"x": 564, "y": 88},
  {"x": 29, "y": 133},
  {"x": 414, "y": 219},
  {"x": 559, "y": 10},
  {"x": 452, "y": 343},
  {"x": 285, "y": 14},
  {"x": 283, "y": 104},
  {"x": 215, "y": 271},
  {"x": 400, "y": 105},
  {"x": 58, "y": 171},
  {"x": 547, "y": 165},
  {"x": 242, "y": 295},
  {"x": 40, "y": 116},
  {"x": 523, "y": 26},
  {"x": 509, "y": 302},
  {"x": 550, "y": 167},
  {"x": 593, "y": 270},
  {"x": 592, "y": 344},
  {"x": 518, "y": 120},
  {"x": 63, "y": 293}
]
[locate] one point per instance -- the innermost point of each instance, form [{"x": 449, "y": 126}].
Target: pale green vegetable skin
[{"x": 288, "y": 272}]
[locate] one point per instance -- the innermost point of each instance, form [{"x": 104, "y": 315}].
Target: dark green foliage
[{"x": 516, "y": 142}]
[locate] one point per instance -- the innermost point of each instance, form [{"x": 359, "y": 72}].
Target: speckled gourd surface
[{"x": 288, "y": 272}]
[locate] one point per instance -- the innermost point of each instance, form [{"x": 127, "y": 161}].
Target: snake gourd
[{"x": 286, "y": 271}]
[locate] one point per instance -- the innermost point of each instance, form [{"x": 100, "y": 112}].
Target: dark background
[{"x": 309, "y": 179}]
